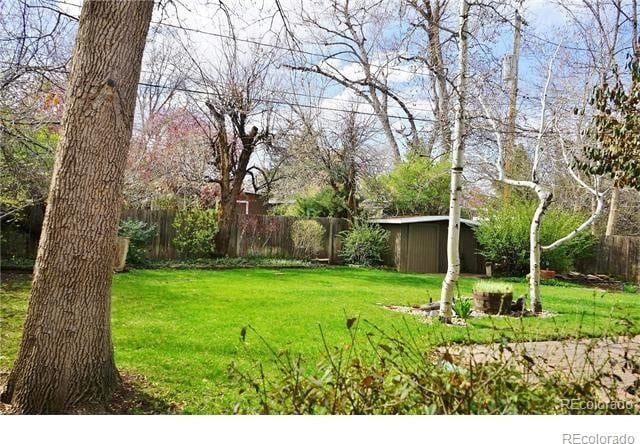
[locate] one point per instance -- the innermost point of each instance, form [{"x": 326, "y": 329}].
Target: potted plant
[{"x": 492, "y": 297}]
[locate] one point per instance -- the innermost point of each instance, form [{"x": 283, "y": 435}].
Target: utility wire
[
  {"x": 268, "y": 45},
  {"x": 149, "y": 84}
]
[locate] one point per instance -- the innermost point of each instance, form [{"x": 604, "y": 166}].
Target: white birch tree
[
  {"x": 542, "y": 192},
  {"x": 457, "y": 161}
]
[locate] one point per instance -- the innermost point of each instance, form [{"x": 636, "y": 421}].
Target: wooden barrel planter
[
  {"x": 547, "y": 274},
  {"x": 492, "y": 303}
]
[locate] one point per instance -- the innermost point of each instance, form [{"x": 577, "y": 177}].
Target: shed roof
[{"x": 419, "y": 219}]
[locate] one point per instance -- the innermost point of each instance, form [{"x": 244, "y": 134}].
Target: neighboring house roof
[
  {"x": 281, "y": 201},
  {"x": 419, "y": 219}
]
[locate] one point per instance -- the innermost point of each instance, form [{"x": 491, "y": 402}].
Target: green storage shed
[{"x": 418, "y": 244}]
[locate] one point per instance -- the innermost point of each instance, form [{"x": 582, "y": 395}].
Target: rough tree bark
[
  {"x": 231, "y": 157},
  {"x": 613, "y": 212},
  {"x": 66, "y": 355},
  {"x": 457, "y": 158}
]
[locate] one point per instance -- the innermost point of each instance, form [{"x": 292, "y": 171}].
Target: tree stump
[
  {"x": 121, "y": 250},
  {"x": 492, "y": 303},
  {"x": 547, "y": 274}
]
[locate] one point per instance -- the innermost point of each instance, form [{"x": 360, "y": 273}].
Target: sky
[{"x": 261, "y": 22}]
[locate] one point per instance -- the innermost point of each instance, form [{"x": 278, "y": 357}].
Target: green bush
[
  {"x": 140, "y": 235},
  {"x": 364, "y": 244},
  {"x": 503, "y": 236},
  {"x": 308, "y": 237},
  {"x": 196, "y": 229},
  {"x": 323, "y": 203},
  {"x": 417, "y": 186}
]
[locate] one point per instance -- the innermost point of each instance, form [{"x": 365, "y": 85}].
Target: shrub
[
  {"x": 504, "y": 237},
  {"x": 140, "y": 235},
  {"x": 307, "y": 237},
  {"x": 397, "y": 374},
  {"x": 196, "y": 228},
  {"x": 323, "y": 203},
  {"x": 417, "y": 186},
  {"x": 364, "y": 244}
]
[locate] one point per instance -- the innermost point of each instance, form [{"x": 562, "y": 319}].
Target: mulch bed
[{"x": 428, "y": 312}]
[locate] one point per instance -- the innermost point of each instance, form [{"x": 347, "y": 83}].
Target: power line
[
  {"x": 323, "y": 56},
  {"x": 324, "y": 108},
  {"x": 281, "y": 102},
  {"x": 268, "y": 45},
  {"x": 309, "y": 106},
  {"x": 187, "y": 29},
  {"x": 291, "y": 93}
]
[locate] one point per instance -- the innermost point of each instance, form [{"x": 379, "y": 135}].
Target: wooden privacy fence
[
  {"x": 162, "y": 245},
  {"x": 252, "y": 235},
  {"x": 271, "y": 236},
  {"x": 617, "y": 256},
  {"x": 258, "y": 235}
]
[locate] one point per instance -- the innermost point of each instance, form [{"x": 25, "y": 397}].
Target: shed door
[{"x": 422, "y": 248}]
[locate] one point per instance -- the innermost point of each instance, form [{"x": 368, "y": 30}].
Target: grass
[
  {"x": 181, "y": 328},
  {"x": 492, "y": 287}
]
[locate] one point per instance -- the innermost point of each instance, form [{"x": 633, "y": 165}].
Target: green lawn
[{"x": 181, "y": 329}]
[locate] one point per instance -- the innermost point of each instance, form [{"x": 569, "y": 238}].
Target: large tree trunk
[
  {"x": 66, "y": 355},
  {"x": 457, "y": 160},
  {"x": 227, "y": 216},
  {"x": 435, "y": 46},
  {"x": 510, "y": 145},
  {"x": 613, "y": 212},
  {"x": 383, "y": 116},
  {"x": 388, "y": 132}
]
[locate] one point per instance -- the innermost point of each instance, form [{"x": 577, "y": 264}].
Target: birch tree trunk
[
  {"x": 613, "y": 212},
  {"x": 66, "y": 355},
  {"x": 535, "y": 250},
  {"x": 457, "y": 160},
  {"x": 544, "y": 196}
]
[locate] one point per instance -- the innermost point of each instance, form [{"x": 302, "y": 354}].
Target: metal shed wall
[{"x": 422, "y": 248}]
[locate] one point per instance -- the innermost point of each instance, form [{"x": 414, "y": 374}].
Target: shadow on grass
[{"x": 132, "y": 397}]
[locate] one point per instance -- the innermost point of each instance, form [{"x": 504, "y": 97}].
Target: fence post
[
  {"x": 330, "y": 249},
  {"x": 234, "y": 235}
]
